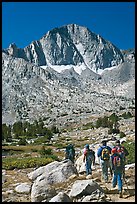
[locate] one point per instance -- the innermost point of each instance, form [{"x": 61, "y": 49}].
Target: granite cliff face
[
  {"x": 70, "y": 44},
  {"x": 32, "y": 88}
]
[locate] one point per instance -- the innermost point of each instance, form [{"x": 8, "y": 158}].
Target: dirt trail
[{"x": 112, "y": 193}]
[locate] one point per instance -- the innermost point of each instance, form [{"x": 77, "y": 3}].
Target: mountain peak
[
  {"x": 70, "y": 44},
  {"x": 38, "y": 86}
]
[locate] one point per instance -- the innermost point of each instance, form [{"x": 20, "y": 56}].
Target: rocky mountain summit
[
  {"x": 69, "y": 72},
  {"x": 70, "y": 44}
]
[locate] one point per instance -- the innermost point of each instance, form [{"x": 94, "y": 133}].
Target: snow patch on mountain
[
  {"x": 59, "y": 68},
  {"x": 78, "y": 68},
  {"x": 100, "y": 71}
]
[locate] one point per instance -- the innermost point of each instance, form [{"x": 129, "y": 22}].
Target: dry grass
[{"x": 16, "y": 176}]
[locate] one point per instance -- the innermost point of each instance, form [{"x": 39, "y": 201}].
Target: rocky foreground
[{"x": 64, "y": 182}]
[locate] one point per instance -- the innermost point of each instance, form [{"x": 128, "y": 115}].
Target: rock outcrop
[
  {"x": 70, "y": 44},
  {"x": 47, "y": 177}
]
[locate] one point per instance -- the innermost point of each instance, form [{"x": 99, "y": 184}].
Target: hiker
[
  {"x": 103, "y": 153},
  {"x": 124, "y": 152},
  {"x": 89, "y": 157},
  {"x": 117, "y": 163},
  {"x": 70, "y": 152}
]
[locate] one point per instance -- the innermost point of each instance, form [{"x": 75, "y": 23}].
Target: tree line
[
  {"x": 37, "y": 128},
  {"x": 27, "y": 130}
]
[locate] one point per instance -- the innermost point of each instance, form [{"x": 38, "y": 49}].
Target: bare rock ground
[{"x": 15, "y": 177}]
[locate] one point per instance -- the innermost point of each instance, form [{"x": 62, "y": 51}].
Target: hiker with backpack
[
  {"x": 124, "y": 153},
  {"x": 89, "y": 157},
  {"x": 70, "y": 152},
  {"x": 103, "y": 153},
  {"x": 117, "y": 163}
]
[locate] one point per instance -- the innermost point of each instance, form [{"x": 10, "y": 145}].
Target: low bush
[
  {"x": 130, "y": 146},
  {"x": 122, "y": 134},
  {"x": 29, "y": 162},
  {"x": 126, "y": 115},
  {"x": 113, "y": 131},
  {"x": 88, "y": 126},
  {"x": 22, "y": 141},
  {"x": 44, "y": 151}
]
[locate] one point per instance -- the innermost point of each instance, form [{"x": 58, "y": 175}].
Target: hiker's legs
[
  {"x": 114, "y": 180},
  {"x": 88, "y": 167},
  {"x": 104, "y": 166},
  {"x": 72, "y": 159},
  {"x": 90, "y": 164},
  {"x": 110, "y": 169},
  {"x": 106, "y": 170},
  {"x": 119, "y": 181}
]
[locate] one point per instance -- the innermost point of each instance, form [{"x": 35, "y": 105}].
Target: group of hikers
[{"x": 112, "y": 159}]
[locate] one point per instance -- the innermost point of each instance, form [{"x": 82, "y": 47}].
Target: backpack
[
  {"x": 117, "y": 161},
  {"x": 89, "y": 153},
  {"x": 118, "y": 157},
  {"x": 70, "y": 152},
  {"x": 105, "y": 154}
]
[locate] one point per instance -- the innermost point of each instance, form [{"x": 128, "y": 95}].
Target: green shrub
[
  {"x": 122, "y": 134},
  {"x": 113, "y": 131},
  {"x": 44, "y": 151},
  {"x": 29, "y": 162},
  {"x": 126, "y": 115},
  {"x": 104, "y": 122},
  {"x": 22, "y": 141},
  {"x": 88, "y": 126},
  {"x": 130, "y": 146},
  {"x": 54, "y": 157}
]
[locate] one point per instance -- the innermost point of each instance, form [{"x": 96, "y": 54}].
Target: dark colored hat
[{"x": 104, "y": 142}]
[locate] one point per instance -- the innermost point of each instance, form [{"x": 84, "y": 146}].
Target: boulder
[
  {"x": 23, "y": 188},
  {"x": 84, "y": 187},
  {"x": 41, "y": 191},
  {"x": 61, "y": 197},
  {"x": 56, "y": 173},
  {"x": 48, "y": 168}
]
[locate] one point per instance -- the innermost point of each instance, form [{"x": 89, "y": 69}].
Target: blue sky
[{"x": 24, "y": 22}]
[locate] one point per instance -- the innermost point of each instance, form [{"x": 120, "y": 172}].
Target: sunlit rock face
[
  {"x": 69, "y": 72},
  {"x": 70, "y": 44}
]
